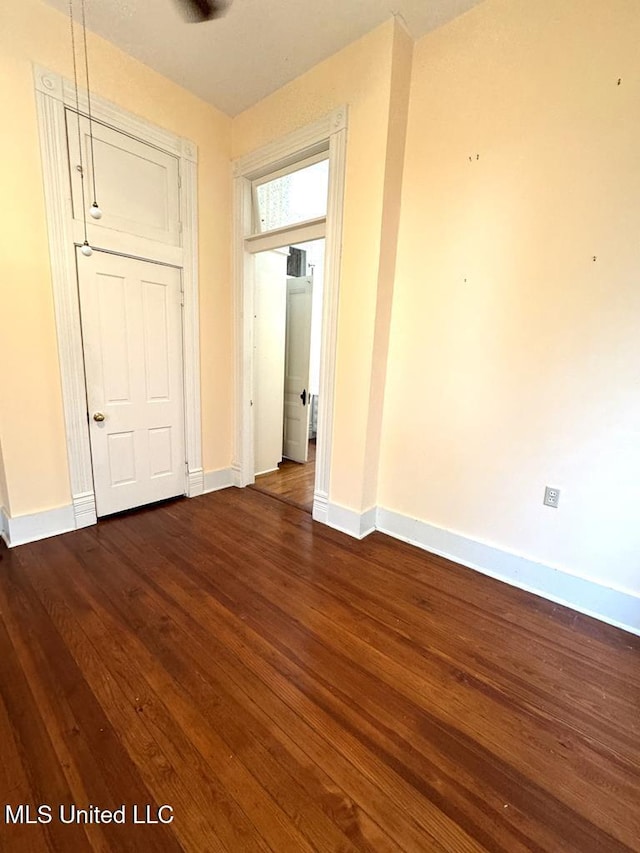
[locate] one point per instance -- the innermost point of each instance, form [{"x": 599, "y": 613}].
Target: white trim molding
[
  {"x": 291, "y": 148},
  {"x": 53, "y": 95},
  {"x": 4, "y": 525},
  {"x": 329, "y": 337},
  {"x": 216, "y": 480},
  {"x": 314, "y": 229},
  {"x": 195, "y": 482},
  {"x": 191, "y": 318},
  {"x": 356, "y": 524},
  {"x": 320, "y": 510},
  {"x": 327, "y": 134},
  {"x": 84, "y": 509},
  {"x": 617, "y": 607},
  {"x": 22, "y": 529}
]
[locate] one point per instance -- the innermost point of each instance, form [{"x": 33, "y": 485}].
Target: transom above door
[{"x": 137, "y": 188}]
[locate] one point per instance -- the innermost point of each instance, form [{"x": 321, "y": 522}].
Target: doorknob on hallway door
[
  {"x": 98, "y": 416},
  {"x": 303, "y": 397}
]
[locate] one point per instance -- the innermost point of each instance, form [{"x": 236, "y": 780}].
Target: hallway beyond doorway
[{"x": 293, "y": 482}]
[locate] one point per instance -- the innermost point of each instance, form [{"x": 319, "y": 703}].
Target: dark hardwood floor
[
  {"x": 283, "y": 687},
  {"x": 293, "y": 482}
]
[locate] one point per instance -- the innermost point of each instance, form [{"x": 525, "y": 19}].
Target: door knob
[
  {"x": 303, "y": 397},
  {"x": 98, "y": 416}
]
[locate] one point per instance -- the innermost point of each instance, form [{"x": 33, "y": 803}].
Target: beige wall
[
  {"x": 514, "y": 356},
  {"x": 33, "y": 438},
  {"x": 360, "y": 76},
  {"x": 396, "y": 138}
]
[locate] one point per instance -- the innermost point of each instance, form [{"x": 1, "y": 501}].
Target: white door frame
[
  {"x": 329, "y": 133},
  {"x": 53, "y": 94}
]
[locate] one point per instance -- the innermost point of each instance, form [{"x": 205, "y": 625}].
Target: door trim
[
  {"x": 53, "y": 93},
  {"x": 330, "y": 134}
]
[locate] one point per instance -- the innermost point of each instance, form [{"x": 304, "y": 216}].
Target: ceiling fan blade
[{"x": 196, "y": 11}]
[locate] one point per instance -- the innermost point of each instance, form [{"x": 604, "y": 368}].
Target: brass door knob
[{"x": 98, "y": 416}]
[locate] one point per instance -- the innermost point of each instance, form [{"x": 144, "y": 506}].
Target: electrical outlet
[{"x": 551, "y": 496}]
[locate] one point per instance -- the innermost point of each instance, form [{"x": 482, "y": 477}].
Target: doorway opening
[
  {"x": 175, "y": 245},
  {"x": 288, "y": 301},
  {"x": 263, "y": 224}
]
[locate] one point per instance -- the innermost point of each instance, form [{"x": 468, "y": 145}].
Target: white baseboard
[
  {"x": 22, "y": 529},
  {"x": 267, "y": 471},
  {"x": 215, "y": 480},
  {"x": 4, "y": 525},
  {"x": 320, "y": 507},
  {"x": 195, "y": 482},
  {"x": 84, "y": 508},
  {"x": 82, "y": 512},
  {"x": 357, "y": 524},
  {"x": 614, "y": 606}
]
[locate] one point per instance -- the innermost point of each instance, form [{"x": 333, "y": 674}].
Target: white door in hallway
[
  {"x": 296, "y": 369},
  {"x": 132, "y": 333}
]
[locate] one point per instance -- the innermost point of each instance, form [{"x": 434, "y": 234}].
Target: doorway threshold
[{"x": 292, "y": 483}]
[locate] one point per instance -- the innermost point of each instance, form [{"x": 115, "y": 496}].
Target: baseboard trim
[
  {"x": 615, "y": 607},
  {"x": 216, "y": 480},
  {"x": 84, "y": 509},
  {"x": 195, "y": 482},
  {"x": 4, "y": 526},
  {"x": 357, "y": 524},
  {"x": 267, "y": 471},
  {"x": 22, "y": 529},
  {"x": 320, "y": 505}
]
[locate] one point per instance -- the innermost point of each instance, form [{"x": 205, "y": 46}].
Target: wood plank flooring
[
  {"x": 283, "y": 687},
  {"x": 293, "y": 482}
]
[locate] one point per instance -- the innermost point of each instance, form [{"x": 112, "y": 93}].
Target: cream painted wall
[
  {"x": 394, "y": 166},
  {"x": 360, "y": 76},
  {"x": 515, "y": 351},
  {"x": 33, "y": 437}
]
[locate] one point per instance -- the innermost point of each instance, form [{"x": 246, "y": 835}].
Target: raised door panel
[
  {"x": 137, "y": 185},
  {"x": 157, "y": 345},
  {"x": 113, "y": 330}
]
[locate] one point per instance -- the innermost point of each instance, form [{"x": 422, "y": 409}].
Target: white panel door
[
  {"x": 132, "y": 332},
  {"x": 296, "y": 370},
  {"x": 269, "y": 323},
  {"x": 137, "y": 185}
]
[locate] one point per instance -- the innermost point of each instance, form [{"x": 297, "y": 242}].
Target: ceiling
[{"x": 257, "y": 47}]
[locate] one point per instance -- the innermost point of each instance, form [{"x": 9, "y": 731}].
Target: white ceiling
[{"x": 257, "y": 47}]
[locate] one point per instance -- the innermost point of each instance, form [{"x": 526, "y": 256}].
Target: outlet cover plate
[{"x": 551, "y": 496}]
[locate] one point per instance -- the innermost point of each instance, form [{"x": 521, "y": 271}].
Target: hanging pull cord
[
  {"x": 86, "y": 248},
  {"x": 95, "y": 211}
]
